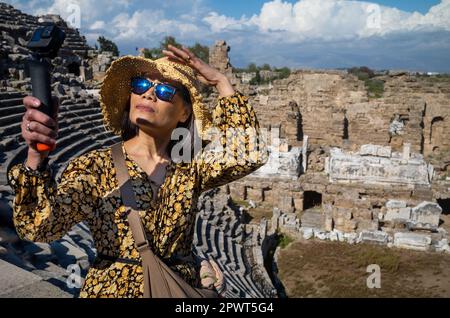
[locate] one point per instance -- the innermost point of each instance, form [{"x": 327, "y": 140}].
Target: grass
[
  {"x": 375, "y": 87},
  {"x": 440, "y": 78},
  {"x": 332, "y": 269},
  {"x": 284, "y": 240}
]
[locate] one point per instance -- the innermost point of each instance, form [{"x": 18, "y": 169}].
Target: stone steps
[
  {"x": 10, "y": 119},
  {"x": 198, "y": 238},
  {"x": 77, "y": 138},
  {"x": 12, "y": 158},
  {"x": 10, "y": 94},
  {"x": 80, "y": 112},
  {"x": 219, "y": 243},
  {"x": 81, "y": 145},
  {"x": 10, "y": 124},
  {"x": 74, "y": 47},
  {"x": 5, "y": 111},
  {"x": 65, "y": 126},
  {"x": 19, "y": 283},
  {"x": 10, "y": 102}
]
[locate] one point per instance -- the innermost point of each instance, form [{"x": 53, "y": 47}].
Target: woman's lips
[{"x": 145, "y": 108}]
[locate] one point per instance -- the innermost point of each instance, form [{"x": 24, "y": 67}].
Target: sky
[{"x": 313, "y": 34}]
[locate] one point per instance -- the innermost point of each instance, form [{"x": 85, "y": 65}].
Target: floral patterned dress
[{"x": 44, "y": 211}]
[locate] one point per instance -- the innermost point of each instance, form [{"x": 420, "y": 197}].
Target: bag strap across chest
[{"x": 128, "y": 197}]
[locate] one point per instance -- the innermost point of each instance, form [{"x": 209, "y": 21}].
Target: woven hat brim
[{"x": 116, "y": 89}]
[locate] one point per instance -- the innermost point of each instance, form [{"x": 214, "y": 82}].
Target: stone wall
[
  {"x": 334, "y": 109},
  {"x": 361, "y": 152},
  {"x": 378, "y": 165}
]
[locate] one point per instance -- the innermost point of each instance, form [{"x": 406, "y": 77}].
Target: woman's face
[{"x": 154, "y": 115}]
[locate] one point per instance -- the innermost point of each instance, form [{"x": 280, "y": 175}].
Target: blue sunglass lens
[
  {"x": 140, "y": 85},
  {"x": 165, "y": 92}
]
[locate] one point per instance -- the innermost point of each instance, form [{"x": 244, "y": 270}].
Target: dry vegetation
[{"x": 330, "y": 269}]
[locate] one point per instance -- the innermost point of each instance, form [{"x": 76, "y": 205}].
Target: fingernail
[{"x": 36, "y": 102}]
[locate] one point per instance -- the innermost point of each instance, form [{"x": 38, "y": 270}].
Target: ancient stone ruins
[{"x": 343, "y": 166}]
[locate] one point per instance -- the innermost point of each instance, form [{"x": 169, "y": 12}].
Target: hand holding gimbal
[{"x": 45, "y": 43}]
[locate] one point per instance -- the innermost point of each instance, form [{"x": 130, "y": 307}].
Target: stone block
[
  {"x": 398, "y": 214},
  {"x": 427, "y": 214},
  {"x": 285, "y": 203},
  {"x": 313, "y": 219},
  {"x": 377, "y": 237},
  {"x": 307, "y": 233},
  {"x": 237, "y": 191},
  {"x": 395, "y": 204},
  {"x": 375, "y": 150},
  {"x": 298, "y": 204},
  {"x": 321, "y": 235},
  {"x": 414, "y": 241},
  {"x": 254, "y": 194}
]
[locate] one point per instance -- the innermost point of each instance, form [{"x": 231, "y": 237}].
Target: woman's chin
[{"x": 145, "y": 121}]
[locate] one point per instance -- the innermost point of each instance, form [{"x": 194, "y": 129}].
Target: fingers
[
  {"x": 188, "y": 52},
  {"x": 38, "y": 133},
  {"x": 212, "y": 276},
  {"x": 41, "y": 129},
  {"x": 174, "y": 57},
  {"x": 181, "y": 53},
  {"x": 219, "y": 275},
  {"x": 36, "y": 115},
  {"x": 36, "y": 126},
  {"x": 31, "y": 102},
  {"x": 207, "y": 275}
]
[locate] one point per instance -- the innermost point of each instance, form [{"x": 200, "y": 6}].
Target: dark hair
[{"x": 130, "y": 130}]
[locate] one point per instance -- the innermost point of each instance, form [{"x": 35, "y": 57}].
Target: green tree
[
  {"x": 252, "y": 68},
  {"x": 107, "y": 45},
  {"x": 169, "y": 40},
  {"x": 284, "y": 72},
  {"x": 363, "y": 73},
  {"x": 266, "y": 67},
  {"x": 202, "y": 51},
  {"x": 153, "y": 54},
  {"x": 257, "y": 79}
]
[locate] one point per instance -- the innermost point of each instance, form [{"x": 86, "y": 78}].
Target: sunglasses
[{"x": 164, "y": 92}]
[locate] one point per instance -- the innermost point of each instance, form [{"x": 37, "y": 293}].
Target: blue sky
[
  {"x": 237, "y": 8},
  {"x": 381, "y": 34}
]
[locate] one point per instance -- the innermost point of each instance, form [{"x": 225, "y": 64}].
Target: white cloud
[
  {"x": 220, "y": 23},
  {"x": 97, "y": 25},
  {"x": 148, "y": 25},
  {"x": 333, "y": 20}
]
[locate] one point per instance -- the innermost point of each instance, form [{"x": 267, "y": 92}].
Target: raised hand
[{"x": 205, "y": 73}]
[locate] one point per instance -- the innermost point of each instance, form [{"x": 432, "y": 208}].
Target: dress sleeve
[
  {"x": 44, "y": 211},
  {"x": 238, "y": 147}
]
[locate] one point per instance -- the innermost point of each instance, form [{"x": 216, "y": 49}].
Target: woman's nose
[{"x": 150, "y": 94}]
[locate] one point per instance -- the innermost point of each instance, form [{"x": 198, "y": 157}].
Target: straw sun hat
[{"x": 116, "y": 88}]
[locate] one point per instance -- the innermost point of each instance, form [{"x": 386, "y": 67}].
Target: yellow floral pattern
[{"x": 88, "y": 191}]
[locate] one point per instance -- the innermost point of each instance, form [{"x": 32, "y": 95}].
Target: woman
[{"x": 143, "y": 101}]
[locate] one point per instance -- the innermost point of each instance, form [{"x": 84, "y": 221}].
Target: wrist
[
  {"x": 224, "y": 87},
  {"x": 36, "y": 165}
]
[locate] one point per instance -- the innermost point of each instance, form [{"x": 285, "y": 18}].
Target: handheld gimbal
[{"x": 45, "y": 43}]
